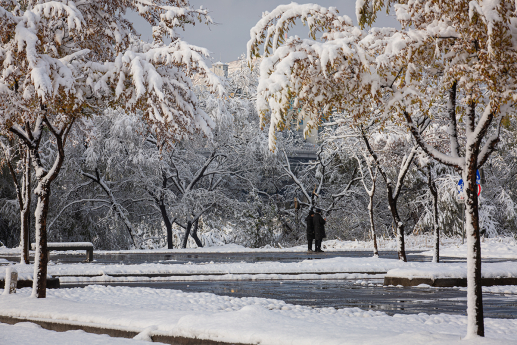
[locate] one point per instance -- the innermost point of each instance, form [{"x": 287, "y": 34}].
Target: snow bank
[
  {"x": 499, "y": 247},
  {"x": 25, "y": 333},
  {"x": 456, "y": 270},
  {"x": 244, "y": 320},
  {"x": 331, "y": 265}
]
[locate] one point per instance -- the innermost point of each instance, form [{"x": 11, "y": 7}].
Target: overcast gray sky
[{"x": 227, "y": 39}]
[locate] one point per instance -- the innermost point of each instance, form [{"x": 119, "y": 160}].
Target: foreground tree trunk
[
  {"x": 31, "y": 139},
  {"x": 39, "y": 286},
  {"x": 475, "y": 325},
  {"x": 473, "y": 160}
]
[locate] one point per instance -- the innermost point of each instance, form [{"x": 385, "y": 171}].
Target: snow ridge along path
[{"x": 243, "y": 320}]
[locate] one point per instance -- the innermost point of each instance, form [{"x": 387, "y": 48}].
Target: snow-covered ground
[
  {"x": 453, "y": 270},
  {"x": 331, "y": 265},
  {"x": 229, "y": 319},
  {"x": 331, "y": 268},
  {"x": 25, "y": 333},
  {"x": 499, "y": 247}
]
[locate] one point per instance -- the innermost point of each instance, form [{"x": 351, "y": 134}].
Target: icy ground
[{"x": 230, "y": 319}]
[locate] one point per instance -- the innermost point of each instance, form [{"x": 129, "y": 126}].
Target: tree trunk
[
  {"x": 436, "y": 225},
  {"x": 392, "y": 203},
  {"x": 25, "y": 209},
  {"x": 475, "y": 324},
  {"x": 187, "y": 233},
  {"x": 372, "y": 224},
  {"x": 32, "y": 140},
  {"x": 194, "y": 234},
  {"x": 39, "y": 286},
  {"x": 167, "y": 223}
]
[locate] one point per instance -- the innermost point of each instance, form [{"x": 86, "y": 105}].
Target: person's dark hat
[
  {"x": 311, "y": 212},
  {"x": 318, "y": 210}
]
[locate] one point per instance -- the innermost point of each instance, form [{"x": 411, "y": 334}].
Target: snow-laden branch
[{"x": 456, "y": 162}]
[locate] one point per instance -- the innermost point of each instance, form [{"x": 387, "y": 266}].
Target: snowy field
[{"x": 229, "y": 319}]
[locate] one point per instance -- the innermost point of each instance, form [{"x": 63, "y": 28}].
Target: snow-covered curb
[
  {"x": 226, "y": 277},
  {"x": 323, "y": 266},
  {"x": 456, "y": 270},
  {"x": 244, "y": 320}
]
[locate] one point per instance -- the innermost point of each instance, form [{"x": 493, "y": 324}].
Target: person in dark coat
[
  {"x": 310, "y": 230},
  {"x": 319, "y": 229}
]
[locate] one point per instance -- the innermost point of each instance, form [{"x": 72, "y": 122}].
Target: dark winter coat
[
  {"x": 310, "y": 226},
  {"x": 319, "y": 226}
]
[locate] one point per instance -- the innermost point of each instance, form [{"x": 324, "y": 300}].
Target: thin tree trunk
[
  {"x": 25, "y": 210},
  {"x": 187, "y": 233},
  {"x": 23, "y": 196},
  {"x": 392, "y": 197},
  {"x": 436, "y": 225},
  {"x": 399, "y": 225},
  {"x": 167, "y": 223},
  {"x": 372, "y": 224},
  {"x": 194, "y": 234}
]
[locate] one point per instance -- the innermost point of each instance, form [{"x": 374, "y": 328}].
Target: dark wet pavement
[
  {"x": 347, "y": 294},
  {"x": 316, "y": 293},
  {"x": 196, "y": 258}
]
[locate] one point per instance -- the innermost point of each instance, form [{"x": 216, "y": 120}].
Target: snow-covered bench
[{"x": 62, "y": 246}]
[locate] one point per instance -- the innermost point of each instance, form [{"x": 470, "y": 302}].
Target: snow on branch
[{"x": 273, "y": 25}]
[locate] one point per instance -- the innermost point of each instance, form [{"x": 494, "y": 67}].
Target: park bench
[{"x": 63, "y": 246}]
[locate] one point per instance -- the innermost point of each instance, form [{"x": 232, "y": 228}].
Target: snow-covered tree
[
  {"x": 22, "y": 185},
  {"x": 62, "y": 61},
  {"x": 463, "y": 51}
]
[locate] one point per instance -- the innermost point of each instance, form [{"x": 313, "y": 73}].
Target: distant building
[{"x": 220, "y": 69}]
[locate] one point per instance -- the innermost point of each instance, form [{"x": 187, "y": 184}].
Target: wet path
[
  {"x": 367, "y": 295},
  {"x": 197, "y": 258}
]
